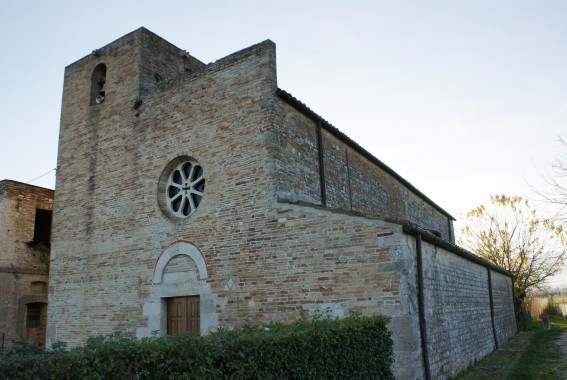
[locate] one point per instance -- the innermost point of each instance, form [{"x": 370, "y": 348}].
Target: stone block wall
[
  {"x": 461, "y": 327},
  {"x": 168, "y": 64},
  {"x": 295, "y": 141},
  {"x": 18, "y": 290},
  {"x": 18, "y": 205},
  {"x": 23, "y": 270},
  {"x": 504, "y": 316},
  {"x": 353, "y": 180}
]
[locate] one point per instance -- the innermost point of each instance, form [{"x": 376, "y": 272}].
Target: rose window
[{"x": 184, "y": 189}]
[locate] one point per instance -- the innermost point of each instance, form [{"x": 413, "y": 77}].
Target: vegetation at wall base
[
  {"x": 542, "y": 359},
  {"x": 350, "y": 348},
  {"x": 532, "y": 354}
]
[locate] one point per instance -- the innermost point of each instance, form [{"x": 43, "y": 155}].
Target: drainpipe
[
  {"x": 348, "y": 177},
  {"x": 421, "y": 308},
  {"x": 492, "y": 307},
  {"x": 321, "y": 164}
]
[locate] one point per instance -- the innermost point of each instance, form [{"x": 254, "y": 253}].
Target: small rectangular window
[{"x": 33, "y": 316}]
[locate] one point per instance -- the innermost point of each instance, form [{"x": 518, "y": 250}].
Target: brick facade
[
  {"x": 24, "y": 266},
  {"x": 294, "y": 215}
]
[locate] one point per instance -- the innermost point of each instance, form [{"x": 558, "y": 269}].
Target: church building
[{"x": 194, "y": 196}]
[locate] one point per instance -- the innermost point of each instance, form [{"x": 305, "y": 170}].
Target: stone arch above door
[
  {"x": 176, "y": 249},
  {"x": 180, "y": 271}
]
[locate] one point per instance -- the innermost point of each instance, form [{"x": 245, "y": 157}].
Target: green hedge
[{"x": 350, "y": 348}]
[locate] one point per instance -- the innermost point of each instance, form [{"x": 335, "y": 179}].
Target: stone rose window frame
[{"x": 181, "y": 187}]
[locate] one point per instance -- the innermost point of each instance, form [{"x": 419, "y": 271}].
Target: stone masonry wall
[
  {"x": 332, "y": 262},
  {"x": 18, "y": 203},
  {"x": 352, "y": 181},
  {"x": 168, "y": 64},
  {"x": 504, "y": 317},
  {"x": 23, "y": 270},
  {"x": 295, "y": 141},
  {"x": 457, "y": 309},
  {"x": 19, "y": 289}
]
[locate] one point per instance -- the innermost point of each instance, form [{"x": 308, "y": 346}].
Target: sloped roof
[{"x": 300, "y": 106}]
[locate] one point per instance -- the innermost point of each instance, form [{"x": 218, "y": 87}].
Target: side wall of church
[
  {"x": 504, "y": 316},
  {"x": 352, "y": 182},
  {"x": 457, "y": 310}
]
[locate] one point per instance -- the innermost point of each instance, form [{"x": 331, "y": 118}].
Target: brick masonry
[
  {"x": 261, "y": 246},
  {"x": 23, "y": 270}
]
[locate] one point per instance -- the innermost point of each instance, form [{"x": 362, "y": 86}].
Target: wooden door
[{"x": 183, "y": 314}]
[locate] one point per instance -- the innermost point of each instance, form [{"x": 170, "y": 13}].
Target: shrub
[{"x": 350, "y": 348}]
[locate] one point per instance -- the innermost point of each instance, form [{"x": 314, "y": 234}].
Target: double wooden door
[{"x": 183, "y": 315}]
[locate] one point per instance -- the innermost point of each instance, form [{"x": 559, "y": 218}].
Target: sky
[{"x": 461, "y": 98}]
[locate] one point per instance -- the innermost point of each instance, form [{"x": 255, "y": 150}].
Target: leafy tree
[{"x": 508, "y": 232}]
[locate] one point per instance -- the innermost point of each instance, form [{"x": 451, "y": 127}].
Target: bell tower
[{"x": 103, "y": 97}]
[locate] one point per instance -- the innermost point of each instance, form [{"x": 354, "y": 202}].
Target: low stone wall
[{"x": 468, "y": 307}]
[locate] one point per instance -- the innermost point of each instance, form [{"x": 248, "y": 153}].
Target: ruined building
[
  {"x": 25, "y": 234},
  {"x": 194, "y": 196}
]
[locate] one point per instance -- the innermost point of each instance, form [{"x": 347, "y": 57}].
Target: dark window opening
[
  {"x": 33, "y": 315},
  {"x": 98, "y": 84},
  {"x": 42, "y": 228}
]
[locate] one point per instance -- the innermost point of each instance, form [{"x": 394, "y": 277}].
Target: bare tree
[
  {"x": 508, "y": 232},
  {"x": 555, "y": 177}
]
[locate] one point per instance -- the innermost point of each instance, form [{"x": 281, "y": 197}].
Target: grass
[
  {"x": 542, "y": 359},
  {"x": 531, "y": 354}
]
